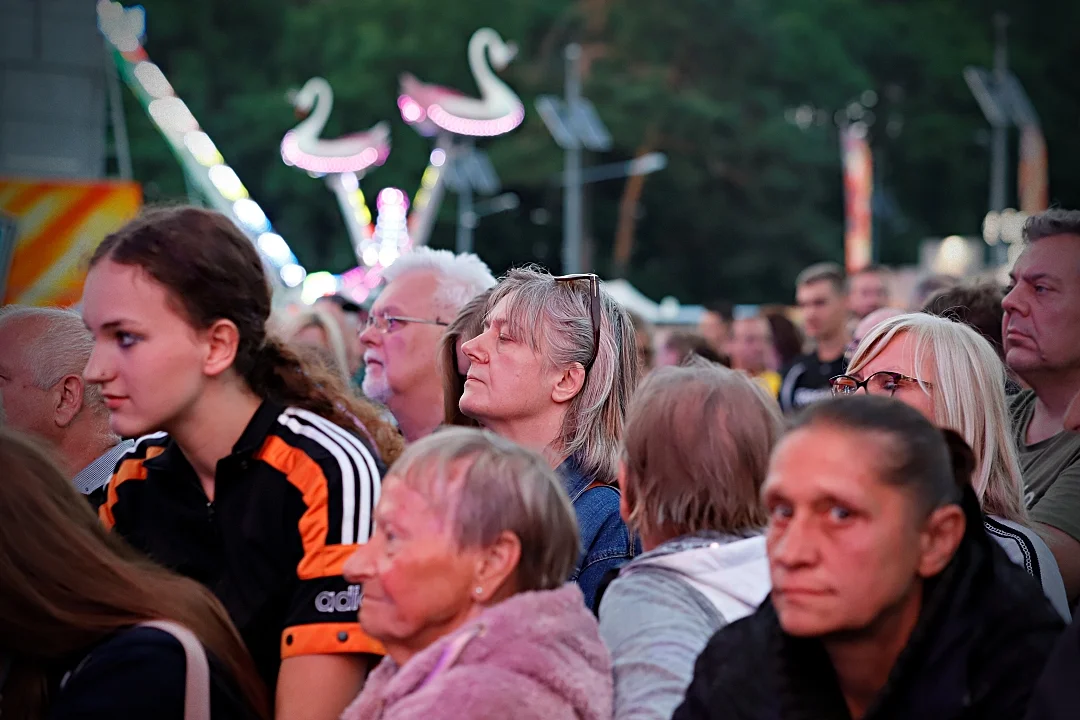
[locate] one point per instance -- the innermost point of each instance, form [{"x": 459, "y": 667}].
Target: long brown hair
[
  {"x": 467, "y": 325},
  {"x": 213, "y": 272},
  {"x": 68, "y": 584}
]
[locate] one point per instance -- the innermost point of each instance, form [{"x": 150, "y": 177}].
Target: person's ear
[
  {"x": 68, "y": 400},
  {"x": 495, "y": 565},
  {"x": 568, "y": 384},
  {"x": 940, "y": 537},
  {"x": 222, "y": 340}
]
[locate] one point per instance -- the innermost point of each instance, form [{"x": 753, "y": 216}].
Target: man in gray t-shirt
[{"x": 1041, "y": 338}]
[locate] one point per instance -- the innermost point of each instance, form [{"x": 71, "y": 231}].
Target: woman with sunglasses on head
[
  {"x": 953, "y": 376},
  {"x": 74, "y": 607},
  {"x": 257, "y": 473},
  {"x": 553, "y": 370},
  {"x": 888, "y": 599}
]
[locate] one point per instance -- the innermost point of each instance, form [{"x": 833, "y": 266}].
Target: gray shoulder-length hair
[
  {"x": 483, "y": 485},
  {"x": 554, "y": 318}
]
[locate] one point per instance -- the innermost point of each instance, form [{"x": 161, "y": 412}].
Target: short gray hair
[
  {"x": 484, "y": 485},
  {"x": 826, "y": 271},
  {"x": 61, "y": 346},
  {"x": 1055, "y": 221},
  {"x": 461, "y": 276}
]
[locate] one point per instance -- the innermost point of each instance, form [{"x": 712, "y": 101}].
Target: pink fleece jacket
[{"x": 535, "y": 656}]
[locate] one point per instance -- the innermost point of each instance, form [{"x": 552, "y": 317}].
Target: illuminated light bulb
[
  {"x": 227, "y": 183},
  {"x": 438, "y": 157},
  {"x": 152, "y": 79},
  {"x": 292, "y": 274},
  {"x": 429, "y": 178},
  {"x": 202, "y": 148},
  {"x": 317, "y": 285},
  {"x": 275, "y": 248},
  {"x": 388, "y": 255},
  {"x": 170, "y": 113},
  {"x": 249, "y": 213},
  {"x": 953, "y": 256},
  {"x": 370, "y": 255},
  {"x": 350, "y": 181},
  {"x": 411, "y": 111},
  {"x": 364, "y": 215}
]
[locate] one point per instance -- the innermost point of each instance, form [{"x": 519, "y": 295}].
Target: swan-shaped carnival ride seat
[
  {"x": 435, "y": 109},
  {"x": 303, "y": 147},
  {"x": 341, "y": 160},
  {"x": 455, "y": 119}
]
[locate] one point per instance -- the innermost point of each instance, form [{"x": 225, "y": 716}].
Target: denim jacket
[{"x": 605, "y": 540}]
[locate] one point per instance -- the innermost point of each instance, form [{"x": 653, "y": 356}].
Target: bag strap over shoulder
[{"x": 197, "y": 679}]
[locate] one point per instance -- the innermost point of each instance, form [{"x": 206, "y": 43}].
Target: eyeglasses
[
  {"x": 392, "y": 323},
  {"x": 883, "y": 382},
  {"x": 594, "y": 309}
]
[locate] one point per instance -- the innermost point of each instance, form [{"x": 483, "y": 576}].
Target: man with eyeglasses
[{"x": 424, "y": 291}]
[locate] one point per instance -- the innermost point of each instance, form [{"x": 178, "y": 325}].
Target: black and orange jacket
[{"x": 290, "y": 504}]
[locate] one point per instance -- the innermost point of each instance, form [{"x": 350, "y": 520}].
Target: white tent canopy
[{"x": 666, "y": 312}]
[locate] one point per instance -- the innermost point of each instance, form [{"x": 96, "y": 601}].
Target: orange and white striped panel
[{"x": 60, "y": 223}]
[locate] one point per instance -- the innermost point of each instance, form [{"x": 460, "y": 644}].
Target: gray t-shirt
[{"x": 1050, "y": 468}]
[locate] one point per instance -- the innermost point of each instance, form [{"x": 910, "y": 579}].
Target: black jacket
[
  {"x": 981, "y": 641},
  {"x": 1057, "y": 695},
  {"x": 139, "y": 673}
]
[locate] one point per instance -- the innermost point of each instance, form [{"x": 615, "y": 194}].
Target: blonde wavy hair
[
  {"x": 336, "y": 357},
  {"x": 554, "y": 318},
  {"x": 968, "y": 392}
]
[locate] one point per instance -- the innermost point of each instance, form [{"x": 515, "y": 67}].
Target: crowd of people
[{"x": 492, "y": 498}]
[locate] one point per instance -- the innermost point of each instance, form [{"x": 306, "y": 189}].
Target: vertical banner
[
  {"x": 858, "y": 196},
  {"x": 1033, "y": 174},
  {"x": 8, "y": 230},
  {"x": 60, "y": 223}
]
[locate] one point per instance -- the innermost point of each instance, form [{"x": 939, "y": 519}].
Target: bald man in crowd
[{"x": 43, "y": 352}]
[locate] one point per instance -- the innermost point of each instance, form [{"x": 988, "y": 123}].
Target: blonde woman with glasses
[
  {"x": 553, "y": 370},
  {"x": 951, "y": 374}
]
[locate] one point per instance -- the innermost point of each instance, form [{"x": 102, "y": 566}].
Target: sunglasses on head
[{"x": 594, "y": 309}]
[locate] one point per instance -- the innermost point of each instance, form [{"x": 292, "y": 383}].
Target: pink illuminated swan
[
  {"x": 498, "y": 110},
  {"x": 303, "y": 147}
]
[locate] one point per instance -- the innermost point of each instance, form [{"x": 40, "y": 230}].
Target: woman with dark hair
[
  {"x": 786, "y": 339},
  {"x": 888, "y": 598},
  {"x": 257, "y": 473},
  {"x": 453, "y": 363},
  {"x": 74, "y": 599}
]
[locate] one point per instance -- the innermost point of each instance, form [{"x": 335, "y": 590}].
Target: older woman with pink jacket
[{"x": 464, "y": 583}]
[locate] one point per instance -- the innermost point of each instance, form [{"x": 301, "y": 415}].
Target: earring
[{"x": 479, "y": 591}]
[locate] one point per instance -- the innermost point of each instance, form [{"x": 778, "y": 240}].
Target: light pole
[{"x": 575, "y": 126}]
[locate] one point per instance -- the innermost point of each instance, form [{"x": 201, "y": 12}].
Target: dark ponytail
[
  {"x": 213, "y": 272},
  {"x": 279, "y": 373}
]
